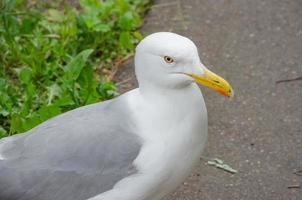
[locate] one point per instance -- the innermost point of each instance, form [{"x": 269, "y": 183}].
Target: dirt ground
[{"x": 253, "y": 44}]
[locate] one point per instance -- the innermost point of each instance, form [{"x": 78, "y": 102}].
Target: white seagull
[{"x": 138, "y": 146}]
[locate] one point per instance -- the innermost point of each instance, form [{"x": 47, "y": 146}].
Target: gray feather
[{"x": 74, "y": 156}]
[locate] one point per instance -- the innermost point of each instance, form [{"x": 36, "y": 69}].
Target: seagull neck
[{"x": 170, "y": 95}]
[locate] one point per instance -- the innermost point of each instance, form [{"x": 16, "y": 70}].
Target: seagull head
[{"x": 169, "y": 60}]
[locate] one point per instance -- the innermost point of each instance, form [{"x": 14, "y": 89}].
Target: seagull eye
[{"x": 168, "y": 59}]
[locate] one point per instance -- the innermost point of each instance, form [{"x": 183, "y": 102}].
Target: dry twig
[{"x": 289, "y": 80}]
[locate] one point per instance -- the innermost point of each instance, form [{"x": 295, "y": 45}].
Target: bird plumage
[
  {"x": 64, "y": 159},
  {"x": 139, "y": 146}
]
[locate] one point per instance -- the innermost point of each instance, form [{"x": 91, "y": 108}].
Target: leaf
[
  {"x": 53, "y": 91},
  {"x": 125, "y": 40},
  {"x": 55, "y": 15},
  {"x": 90, "y": 20},
  {"x": 16, "y": 125},
  {"x": 3, "y": 132},
  {"x": 107, "y": 90},
  {"x": 75, "y": 66},
  {"x": 5, "y": 100},
  {"x": 47, "y": 112},
  {"x": 138, "y": 35},
  {"x": 25, "y": 75},
  {"x": 102, "y": 28},
  {"x": 126, "y": 22},
  {"x": 89, "y": 85},
  {"x": 64, "y": 100},
  {"x": 90, "y": 4},
  {"x": 221, "y": 165},
  {"x": 29, "y": 24},
  {"x": 30, "y": 91},
  {"x": 4, "y": 112},
  {"x": 86, "y": 81},
  {"x": 32, "y": 121},
  {"x": 122, "y": 5},
  {"x": 3, "y": 83}
]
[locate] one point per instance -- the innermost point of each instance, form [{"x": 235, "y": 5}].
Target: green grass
[{"x": 51, "y": 56}]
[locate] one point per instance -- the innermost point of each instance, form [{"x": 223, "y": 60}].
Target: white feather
[{"x": 171, "y": 116}]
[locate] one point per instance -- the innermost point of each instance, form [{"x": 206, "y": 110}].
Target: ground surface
[{"x": 252, "y": 44}]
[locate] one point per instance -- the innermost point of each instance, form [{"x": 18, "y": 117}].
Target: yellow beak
[{"x": 215, "y": 82}]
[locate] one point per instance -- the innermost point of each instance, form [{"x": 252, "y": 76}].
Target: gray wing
[{"x": 74, "y": 156}]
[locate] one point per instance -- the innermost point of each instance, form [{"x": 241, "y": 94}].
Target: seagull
[{"x": 138, "y": 146}]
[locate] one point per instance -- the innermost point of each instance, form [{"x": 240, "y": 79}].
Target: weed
[{"x": 49, "y": 57}]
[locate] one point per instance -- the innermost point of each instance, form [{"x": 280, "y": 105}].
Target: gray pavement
[{"x": 253, "y": 44}]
